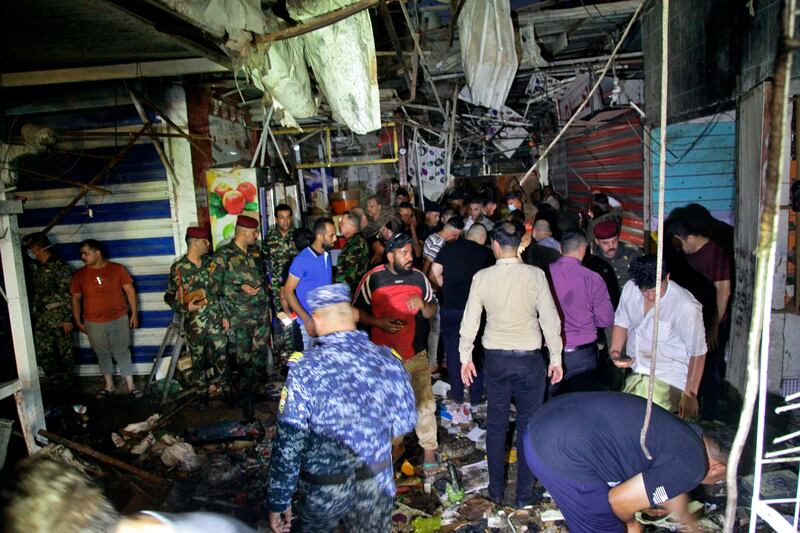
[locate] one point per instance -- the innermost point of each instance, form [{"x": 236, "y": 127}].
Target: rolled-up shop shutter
[
  {"x": 609, "y": 159},
  {"x": 135, "y": 224}
]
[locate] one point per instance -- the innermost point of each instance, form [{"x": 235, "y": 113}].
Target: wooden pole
[
  {"x": 68, "y": 181},
  {"x": 316, "y": 23},
  {"x": 119, "y": 156},
  {"x": 85, "y": 450}
]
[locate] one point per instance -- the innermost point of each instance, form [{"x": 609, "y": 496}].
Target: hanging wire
[{"x": 662, "y": 167}]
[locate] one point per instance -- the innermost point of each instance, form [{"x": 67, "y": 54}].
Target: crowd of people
[{"x": 531, "y": 306}]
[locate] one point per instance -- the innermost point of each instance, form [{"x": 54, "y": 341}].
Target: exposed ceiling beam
[
  {"x": 149, "y": 69},
  {"x": 170, "y": 24}
]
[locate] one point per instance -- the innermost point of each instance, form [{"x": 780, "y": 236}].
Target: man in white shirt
[
  {"x": 681, "y": 339},
  {"x": 475, "y": 215}
]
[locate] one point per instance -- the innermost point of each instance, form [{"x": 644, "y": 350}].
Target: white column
[{"x": 28, "y": 395}]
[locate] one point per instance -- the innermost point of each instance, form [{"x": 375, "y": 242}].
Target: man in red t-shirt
[
  {"x": 100, "y": 310},
  {"x": 711, "y": 260},
  {"x": 396, "y": 301}
]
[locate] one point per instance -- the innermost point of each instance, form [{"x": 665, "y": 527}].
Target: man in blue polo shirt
[
  {"x": 584, "y": 448},
  {"x": 311, "y": 268}
]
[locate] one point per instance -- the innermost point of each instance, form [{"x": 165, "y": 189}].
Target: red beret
[
  {"x": 198, "y": 233},
  {"x": 606, "y": 229},
  {"x": 246, "y": 222}
]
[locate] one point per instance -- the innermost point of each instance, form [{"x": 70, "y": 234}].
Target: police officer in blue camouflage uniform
[{"x": 344, "y": 400}]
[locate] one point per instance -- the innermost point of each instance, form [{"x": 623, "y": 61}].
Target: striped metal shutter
[
  {"x": 134, "y": 222},
  {"x": 701, "y": 166},
  {"x": 610, "y": 159}
]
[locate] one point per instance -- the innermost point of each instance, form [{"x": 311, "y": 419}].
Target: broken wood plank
[
  {"x": 119, "y": 156},
  {"x": 86, "y": 450},
  {"x": 317, "y": 22},
  {"x": 68, "y": 181}
]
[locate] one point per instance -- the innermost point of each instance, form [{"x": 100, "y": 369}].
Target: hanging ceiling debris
[{"x": 501, "y": 75}]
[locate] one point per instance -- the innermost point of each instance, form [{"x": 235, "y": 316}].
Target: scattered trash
[
  {"x": 224, "y": 431},
  {"x": 144, "y": 444},
  {"x": 182, "y": 455},
  {"x": 457, "y": 448},
  {"x": 141, "y": 427},
  {"x": 407, "y": 468},
  {"x": 440, "y": 388},
  {"x": 118, "y": 441},
  {"x": 551, "y": 515},
  {"x": 455, "y": 413},
  {"x": 475, "y": 508},
  {"x": 220, "y": 470},
  {"x": 427, "y": 525},
  {"x": 475, "y": 477}
]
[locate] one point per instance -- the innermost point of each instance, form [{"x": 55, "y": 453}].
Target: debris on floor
[{"x": 206, "y": 458}]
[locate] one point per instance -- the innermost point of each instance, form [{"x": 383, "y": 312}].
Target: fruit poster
[{"x": 231, "y": 192}]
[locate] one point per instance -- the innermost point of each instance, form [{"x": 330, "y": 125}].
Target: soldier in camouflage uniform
[
  {"x": 281, "y": 250},
  {"x": 353, "y": 262},
  {"x": 53, "y": 313},
  {"x": 238, "y": 286},
  {"x": 199, "y": 311},
  {"x": 344, "y": 401}
]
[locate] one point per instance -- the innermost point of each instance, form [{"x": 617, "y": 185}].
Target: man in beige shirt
[{"x": 518, "y": 302}]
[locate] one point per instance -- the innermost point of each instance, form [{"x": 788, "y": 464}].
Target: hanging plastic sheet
[
  {"x": 343, "y": 58},
  {"x": 280, "y": 69},
  {"x": 427, "y": 163},
  {"x": 488, "y": 50}
]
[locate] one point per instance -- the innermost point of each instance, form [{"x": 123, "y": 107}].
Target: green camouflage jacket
[
  {"x": 281, "y": 252},
  {"x": 186, "y": 277},
  {"x": 52, "y": 298},
  {"x": 233, "y": 268},
  {"x": 353, "y": 262}
]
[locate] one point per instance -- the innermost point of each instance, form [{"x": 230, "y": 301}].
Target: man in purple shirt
[{"x": 584, "y": 305}]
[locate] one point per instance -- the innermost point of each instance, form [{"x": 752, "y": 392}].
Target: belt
[
  {"x": 367, "y": 471},
  {"x": 512, "y": 353},
  {"x": 592, "y": 344}
]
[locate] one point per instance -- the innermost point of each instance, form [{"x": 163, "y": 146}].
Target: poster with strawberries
[{"x": 231, "y": 192}]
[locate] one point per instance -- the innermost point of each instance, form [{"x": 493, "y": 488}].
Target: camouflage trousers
[
  {"x": 207, "y": 350},
  {"x": 354, "y": 506},
  {"x": 250, "y": 339},
  {"x": 55, "y": 353}
]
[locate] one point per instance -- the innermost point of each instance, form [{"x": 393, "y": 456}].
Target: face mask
[
  {"x": 512, "y": 207},
  {"x": 31, "y": 254}
]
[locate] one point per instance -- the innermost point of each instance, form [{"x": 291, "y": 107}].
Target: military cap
[
  {"x": 326, "y": 295},
  {"x": 245, "y": 221},
  {"x": 198, "y": 233},
  {"x": 606, "y": 229}
]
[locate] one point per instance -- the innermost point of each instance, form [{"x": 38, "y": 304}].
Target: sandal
[
  {"x": 102, "y": 394},
  {"x": 136, "y": 394}
]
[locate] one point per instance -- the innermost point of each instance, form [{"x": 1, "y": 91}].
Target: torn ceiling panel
[
  {"x": 279, "y": 69},
  {"x": 343, "y": 59},
  {"x": 488, "y": 50},
  {"x": 219, "y": 17}
]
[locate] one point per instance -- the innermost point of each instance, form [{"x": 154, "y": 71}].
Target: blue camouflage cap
[{"x": 328, "y": 295}]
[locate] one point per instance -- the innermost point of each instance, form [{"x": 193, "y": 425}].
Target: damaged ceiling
[{"x": 336, "y": 75}]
